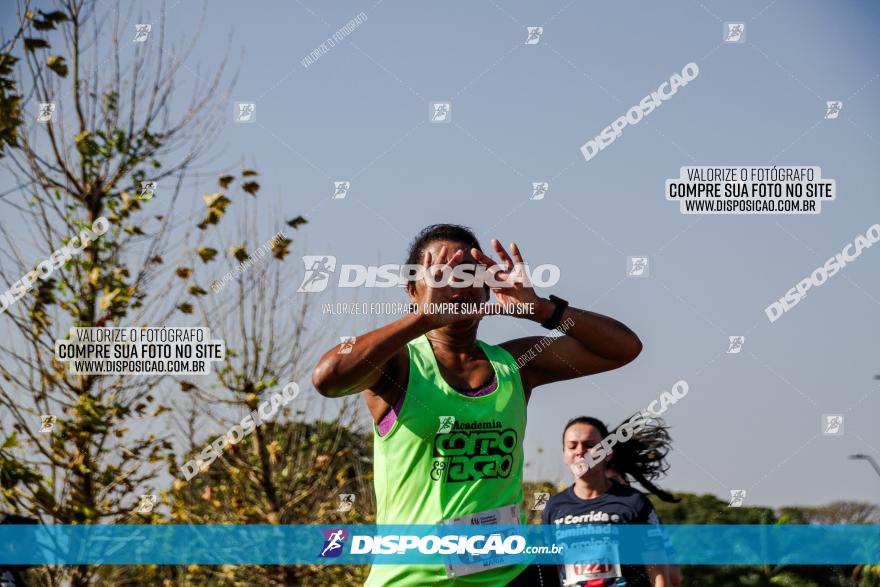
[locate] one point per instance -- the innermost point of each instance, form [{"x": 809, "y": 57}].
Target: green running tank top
[{"x": 428, "y": 468}]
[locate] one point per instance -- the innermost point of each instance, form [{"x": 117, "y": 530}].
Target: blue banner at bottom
[{"x": 435, "y": 544}]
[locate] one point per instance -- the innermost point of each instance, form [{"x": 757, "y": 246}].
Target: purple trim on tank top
[{"x": 390, "y": 418}]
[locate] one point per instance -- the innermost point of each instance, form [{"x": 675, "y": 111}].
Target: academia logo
[
  {"x": 473, "y": 450},
  {"x": 334, "y": 542}
]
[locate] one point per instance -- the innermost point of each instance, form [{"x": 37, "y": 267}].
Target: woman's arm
[{"x": 592, "y": 343}]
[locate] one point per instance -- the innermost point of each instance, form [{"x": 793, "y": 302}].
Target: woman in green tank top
[{"x": 449, "y": 409}]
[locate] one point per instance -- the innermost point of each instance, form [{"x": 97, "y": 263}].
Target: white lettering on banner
[{"x": 433, "y": 544}]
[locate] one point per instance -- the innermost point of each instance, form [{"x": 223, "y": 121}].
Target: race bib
[
  {"x": 600, "y": 561},
  {"x": 459, "y": 565}
]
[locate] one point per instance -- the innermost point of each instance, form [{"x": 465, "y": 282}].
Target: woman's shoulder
[
  {"x": 629, "y": 494},
  {"x": 563, "y": 496}
]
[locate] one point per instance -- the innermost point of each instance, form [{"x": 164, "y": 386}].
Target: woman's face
[
  {"x": 418, "y": 292},
  {"x": 577, "y": 442}
]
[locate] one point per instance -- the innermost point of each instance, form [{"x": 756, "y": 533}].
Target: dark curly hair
[
  {"x": 440, "y": 232},
  {"x": 642, "y": 457}
]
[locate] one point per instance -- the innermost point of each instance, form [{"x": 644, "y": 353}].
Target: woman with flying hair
[{"x": 601, "y": 494}]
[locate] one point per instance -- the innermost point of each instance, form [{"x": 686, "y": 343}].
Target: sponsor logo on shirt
[{"x": 474, "y": 450}]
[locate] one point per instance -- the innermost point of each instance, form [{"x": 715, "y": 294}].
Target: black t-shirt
[{"x": 619, "y": 505}]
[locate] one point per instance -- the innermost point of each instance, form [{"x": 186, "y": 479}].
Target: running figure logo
[
  {"x": 318, "y": 270},
  {"x": 540, "y": 501},
  {"x": 737, "y": 497},
  {"x": 47, "y": 423},
  {"x": 446, "y": 424},
  {"x": 735, "y": 345},
  {"x": 341, "y": 189},
  {"x": 245, "y": 112},
  {"x": 832, "y": 424},
  {"x": 637, "y": 266},
  {"x": 539, "y": 190},
  {"x": 534, "y": 36},
  {"x": 141, "y": 32},
  {"x": 346, "y": 343},
  {"x": 147, "y": 191},
  {"x": 334, "y": 540},
  {"x": 832, "y": 109},
  {"x": 46, "y": 111},
  {"x": 440, "y": 111},
  {"x": 734, "y": 32},
  {"x": 147, "y": 503}
]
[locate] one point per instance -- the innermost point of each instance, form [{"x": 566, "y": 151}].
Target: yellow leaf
[
  {"x": 238, "y": 252},
  {"x": 107, "y": 299},
  {"x": 295, "y": 222},
  {"x": 280, "y": 248},
  {"x": 56, "y": 63},
  {"x": 216, "y": 200},
  {"x": 207, "y": 254},
  {"x": 251, "y": 187}
]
